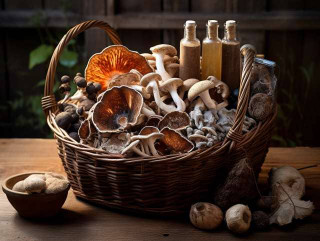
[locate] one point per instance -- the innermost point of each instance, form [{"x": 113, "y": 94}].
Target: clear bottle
[
  {"x": 231, "y": 56},
  {"x": 189, "y": 52},
  {"x": 211, "y": 52}
]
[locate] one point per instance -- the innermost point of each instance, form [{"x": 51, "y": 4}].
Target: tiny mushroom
[
  {"x": 34, "y": 183},
  {"x": 171, "y": 85},
  {"x": 205, "y": 215},
  {"x": 200, "y": 140},
  {"x": 148, "y": 136},
  {"x": 81, "y": 88},
  {"x": 65, "y": 88},
  {"x": 176, "y": 120},
  {"x": 151, "y": 82},
  {"x": 175, "y": 141},
  {"x": 238, "y": 218},
  {"x": 118, "y": 109},
  {"x": 159, "y": 51}
]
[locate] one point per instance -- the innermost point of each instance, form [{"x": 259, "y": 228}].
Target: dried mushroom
[
  {"x": 116, "y": 143},
  {"x": 114, "y": 60},
  {"x": 260, "y": 106},
  {"x": 118, "y": 109},
  {"x": 176, "y": 120},
  {"x": 175, "y": 141}
]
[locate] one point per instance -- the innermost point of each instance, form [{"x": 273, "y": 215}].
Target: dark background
[{"x": 286, "y": 31}]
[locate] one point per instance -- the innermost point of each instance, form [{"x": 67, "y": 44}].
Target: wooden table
[{"x": 82, "y": 221}]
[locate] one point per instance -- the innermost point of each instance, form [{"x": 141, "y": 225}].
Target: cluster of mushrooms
[{"x": 135, "y": 104}]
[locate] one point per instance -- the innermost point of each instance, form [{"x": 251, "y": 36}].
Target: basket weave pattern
[{"x": 161, "y": 185}]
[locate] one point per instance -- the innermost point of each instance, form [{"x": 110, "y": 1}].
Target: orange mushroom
[
  {"x": 175, "y": 141},
  {"x": 114, "y": 60}
]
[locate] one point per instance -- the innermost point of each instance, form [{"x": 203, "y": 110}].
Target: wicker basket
[{"x": 163, "y": 185}]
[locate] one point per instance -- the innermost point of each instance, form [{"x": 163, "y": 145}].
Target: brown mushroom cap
[
  {"x": 148, "y": 130},
  {"x": 124, "y": 79},
  {"x": 166, "y": 85},
  {"x": 118, "y": 109},
  {"x": 84, "y": 131},
  {"x": 199, "y": 87},
  {"x": 145, "y": 80},
  {"x": 154, "y": 120},
  {"x": 175, "y": 141},
  {"x": 187, "y": 84},
  {"x": 176, "y": 120},
  {"x": 114, "y": 60},
  {"x": 165, "y": 49}
]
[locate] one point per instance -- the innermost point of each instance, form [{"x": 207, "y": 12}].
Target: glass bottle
[
  {"x": 211, "y": 52},
  {"x": 189, "y": 52},
  {"x": 231, "y": 56}
]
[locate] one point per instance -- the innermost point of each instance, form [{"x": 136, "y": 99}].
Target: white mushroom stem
[
  {"x": 133, "y": 147},
  {"x": 160, "y": 66},
  {"x": 141, "y": 90},
  {"x": 66, "y": 97},
  {"x": 78, "y": 95},
  {"x": 210, "y": 103},
  {"x": 167, "y": 108},
  {"x": 181, "y": 106},
  {"x": 146, "y": 110}
]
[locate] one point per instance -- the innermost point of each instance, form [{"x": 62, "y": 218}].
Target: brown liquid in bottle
[
  {"x": 231, "y": 56},
  {"x": 189, "y": 53}
]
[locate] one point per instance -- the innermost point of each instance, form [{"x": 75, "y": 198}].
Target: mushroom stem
[
  {"x": 181, "y": 106},
  {"x": 160, "y": 66},
  {"x": 146, "y": 110},
  {"x": 66, "y": 97},
  {"x": 78, "y": 95},
  {"x": 157, "y": 98},
  {"x": 205, "y": 96}
]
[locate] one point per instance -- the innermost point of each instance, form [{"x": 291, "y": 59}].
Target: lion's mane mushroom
[
  {"x": 176, "y": 120},
  {"x": 151, "y": 82},
  {"x": 201, "y": 89},
  {"x": 238, "y": 218},
  {"x": 205, "y": 216},
  {"x": 114, "y": 60},
  {"x": 159, "y": 51},
  {"x": 288, "y": 187},
  {"x": 148, "y": 136},
  {"x": 34, "y": 183},
  {"x": 176, "y": 142},
  {"x": 260, "y": 106},
  {"x": 118, "y": 109},
  {"x": 171, "y": 85}
]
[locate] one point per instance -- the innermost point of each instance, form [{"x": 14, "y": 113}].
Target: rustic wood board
[{"x": 82, "y": 221}]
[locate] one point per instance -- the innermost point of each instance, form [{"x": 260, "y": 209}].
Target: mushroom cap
[
  {"x": 118, "y": 109},
  {"x": 117, "y": 142},
  {"x": 176, "y": 120},
  {"x": 165, "y": 49},
  {"x": 176, "y": 141},
  {"x": 124, "y": 79},
  {"x": 148, "y": 130},
  {"x": 154, "y": 120},
  {"x": 84, "y": 131},
  {"x": 260, "y": 106},
  {"x": 146, "y": 79},
  {"x": 199, "y": 87},
  {"x": 197, "y": 137},
  {"x": 65, "y": 79},
  {"x": 148, "y": 56},
  {"x": 238, "y": 218},
  {"x": 188, "y": 83},
  {"x": 114, "y": 60},
  {"x": 34, "y": 184},
  {"x": 169, "y": 83}
]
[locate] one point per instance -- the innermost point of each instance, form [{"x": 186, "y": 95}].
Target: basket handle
[
  {"x": 235, "y": 132},
  {"x": 48, "y": 101}
]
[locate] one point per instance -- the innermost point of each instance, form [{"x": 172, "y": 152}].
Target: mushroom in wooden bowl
[{"x": 36, "y": 194}]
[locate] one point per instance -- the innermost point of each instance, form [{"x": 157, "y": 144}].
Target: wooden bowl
[{"x": 39, "y": 205}]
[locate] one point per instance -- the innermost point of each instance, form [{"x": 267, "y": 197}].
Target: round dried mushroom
[
  {"x": 114, "y": 60},
  {"x": 238, "y": 218},
  {"x": 34, "y": 184},
  {"x": 118, "y": 109},
  {"x": 206, "y": 216},
  {"x": 175, "y": 141},
  {"x": 176, "y": 120},
  {"x": 260, "y": 106}
]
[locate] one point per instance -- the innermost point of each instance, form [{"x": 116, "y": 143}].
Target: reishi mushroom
[{"x": 205, "y": 216}]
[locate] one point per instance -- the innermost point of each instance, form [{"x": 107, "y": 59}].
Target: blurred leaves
[{"x": 40, "y": 55}]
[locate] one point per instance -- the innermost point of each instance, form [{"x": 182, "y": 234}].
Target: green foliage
[{"x": 40, "y": 55}]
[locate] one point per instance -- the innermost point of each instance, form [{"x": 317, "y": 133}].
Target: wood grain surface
[{"x": 79, "y": 220}]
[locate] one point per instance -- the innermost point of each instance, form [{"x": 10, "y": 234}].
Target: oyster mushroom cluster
[{"x": 136, "y": 105}]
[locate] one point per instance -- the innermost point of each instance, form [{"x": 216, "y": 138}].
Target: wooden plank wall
[{"x": 290, "y": 49}]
